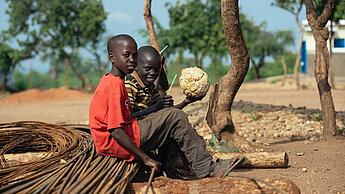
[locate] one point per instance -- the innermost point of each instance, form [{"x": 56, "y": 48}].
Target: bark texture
[
  {"x": 219, "y": 108},
  {"x": 215, "y": 185},
  {"x": 149, "y": 25},
  {"x": 298, "y": 57},
  {"x": 258, "y": 159},
  {"x": 285, "y": 70},
  {"x": 298, "y": 60},
  {"x": 321, "y": 34}
]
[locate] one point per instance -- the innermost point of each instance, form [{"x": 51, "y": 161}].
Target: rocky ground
[{"x": 271, "y": 117}]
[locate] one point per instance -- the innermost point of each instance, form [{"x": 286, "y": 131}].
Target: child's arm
[
  {"x": 163, "y": 102},
  {"x": 161, "y": 82},
  {"x": 125, "y": 141},
  {"x": 187, "y": 101}
]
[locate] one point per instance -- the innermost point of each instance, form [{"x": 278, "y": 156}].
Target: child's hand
[
  {"x": 165, "y": 101},
  {"x": 193, "y": 99},
  {"x": 153, "y": 163}
]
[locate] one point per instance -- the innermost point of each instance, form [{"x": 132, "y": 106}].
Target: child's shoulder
[{"x": 111, "y": 80}]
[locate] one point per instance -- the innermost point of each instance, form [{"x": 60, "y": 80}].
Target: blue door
[{"x": 304, "y": 58}]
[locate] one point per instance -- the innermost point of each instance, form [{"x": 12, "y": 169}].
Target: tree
[
  {"x": 221, "y": 98},
  {"x": 265, "y": 44},
  {"x": 196, "y": 27},
  {"x": 294, "y": 7},
  {"x": 338, "y": 14},
  {"x": 320, "y": 32},
  {"x": 56, "y": 28},
  {"x": 9, "y": 58}
]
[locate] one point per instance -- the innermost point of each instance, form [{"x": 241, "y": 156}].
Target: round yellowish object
[{"x": 194, "y": 82}]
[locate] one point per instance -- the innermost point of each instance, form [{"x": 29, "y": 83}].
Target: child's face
[
  {"x": 148, "y": 70},
  {"x": 124, "y": 56}
]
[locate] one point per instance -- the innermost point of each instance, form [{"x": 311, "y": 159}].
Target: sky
[{"x": 127, "y": 17}]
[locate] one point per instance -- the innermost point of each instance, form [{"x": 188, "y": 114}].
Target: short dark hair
[
  {"x": 113, "y": 40},
  {"x": 148, "y": 50}
]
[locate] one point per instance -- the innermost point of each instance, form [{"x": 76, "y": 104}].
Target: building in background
[{"x": 338, "y": 48}]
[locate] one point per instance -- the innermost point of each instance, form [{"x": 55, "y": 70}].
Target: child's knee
[{"x": 177, "y": 113}]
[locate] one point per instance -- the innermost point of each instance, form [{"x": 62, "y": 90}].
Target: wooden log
[
  {"x": 215, "y": 185},
  {"x": 16, "y": 159},
  {"x": 258, "y": 159},
  {"x": 252, "y": 160}
]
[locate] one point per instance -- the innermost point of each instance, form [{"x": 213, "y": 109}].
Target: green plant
[
  {"x": 318, "y": 116},
  {"x": 226, "y": 148},
  {"x": 341, "y": 130},
  {"x": 273, "y": 81},
  {"x": 254, "y": 114},
  {"x": 213, "y": 142},
  {"x": 223, "y": 147}
]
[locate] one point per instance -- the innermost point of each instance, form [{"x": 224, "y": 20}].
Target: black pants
[{"x": 171, "y": 124}]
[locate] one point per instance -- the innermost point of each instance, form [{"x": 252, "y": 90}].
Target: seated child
[
  {"x": 145, "y": 97},
  {"x": 141, "y": 89},
  {"x": 117, "y": 134}
]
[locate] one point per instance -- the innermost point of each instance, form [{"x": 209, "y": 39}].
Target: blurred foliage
[
  {"x": 275, "y": 67},
  {"x": 46, "y": 81},
  {"x": 213, "y": 74},
  {"x": 9, "y": 58},
  {"x": 293, "y": 6},
  {"x": 196, "y": 30},
  {"x": 56, "y": 28}
]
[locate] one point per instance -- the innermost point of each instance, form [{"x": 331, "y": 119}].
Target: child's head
[
  {"x": 149, "y": 64},
  {"x": 122, "y": 52}
]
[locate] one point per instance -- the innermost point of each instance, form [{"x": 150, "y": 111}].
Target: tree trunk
[
  {"x": 81, "y": 77},
  {"x": 178, "y": 65},
  {"x": 221, "y": 98},
  {"x": 321, "y": 35},
  {"x": 149, "y": 25},
  {"x": 285, "y": 71},
  {"x": 66, "y": 72},
  {"x": 257, "y": 72},
  {"x": 331, "y": 67},
  {"x": 31, "y": 72},
  {"x": 298, "y": 60},
  {"x": 298, "y": 56},
  {"x": 3, "y": 82}
]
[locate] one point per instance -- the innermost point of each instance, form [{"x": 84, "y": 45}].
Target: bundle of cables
[{"x": 69, "y": 163}]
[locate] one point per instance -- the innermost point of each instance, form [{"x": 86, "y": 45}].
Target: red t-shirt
[{"x": 111, "y": 108}]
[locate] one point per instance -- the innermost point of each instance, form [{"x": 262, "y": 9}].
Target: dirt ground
[{"x": 315, "y": 165}]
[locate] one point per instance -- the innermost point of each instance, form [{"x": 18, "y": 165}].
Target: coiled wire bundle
[{"x": 70, "y": 163}]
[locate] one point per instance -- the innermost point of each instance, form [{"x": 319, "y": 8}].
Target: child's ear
[{"x": 111, "y": 57}]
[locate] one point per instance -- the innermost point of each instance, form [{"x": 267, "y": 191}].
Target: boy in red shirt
[{"x": 116, "y": 133}]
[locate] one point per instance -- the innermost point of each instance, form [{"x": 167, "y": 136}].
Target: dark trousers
[{"x": 171, "y": 124}]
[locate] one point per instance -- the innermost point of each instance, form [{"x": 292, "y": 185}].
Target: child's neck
[{"x": 117, "y": 73}]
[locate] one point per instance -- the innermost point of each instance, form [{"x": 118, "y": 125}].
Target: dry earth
[{"x": 316, "y": 164}]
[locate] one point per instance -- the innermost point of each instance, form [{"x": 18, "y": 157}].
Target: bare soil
[{"x": 316, "y": 166}]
